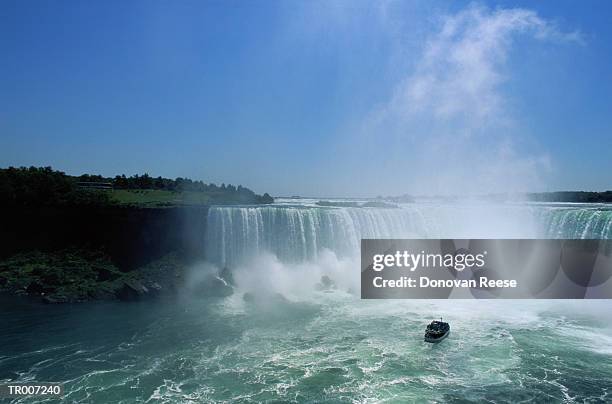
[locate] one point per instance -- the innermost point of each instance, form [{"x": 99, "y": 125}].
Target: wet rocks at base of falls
[
  {"x": 326, "y": 284},
  {"x": 227, "y": 276},
  {"x": 159, "y": 278},
  {"x": 137, "y": 290},
  {"x": 216, "y": 285},
  {"x": 76, "y": 275}
]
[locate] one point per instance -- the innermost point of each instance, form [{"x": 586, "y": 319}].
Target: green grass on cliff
[
  {"x": 161, "y": 198},
  {"x": 156, "y": 197}
]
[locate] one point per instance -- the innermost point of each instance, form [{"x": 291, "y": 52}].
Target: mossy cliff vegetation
[
  {"x": 72, "y": 239},
  {"x": 76, "y": 275},
  {"x": 79, "y": 275},
  {"x": 75, "y": 253}
]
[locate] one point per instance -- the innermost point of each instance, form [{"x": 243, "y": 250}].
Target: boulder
[
  {"x": 326, "y": 284},
  {"x": 227, "y": 275},
  {"x": 104, "y": 274},
  {"x": 54, "y": 299},
  {"x": 132, "y": 290},
  {"x": 155, "y": 286},
  {"x": 213, "y": 286},
  {"x": 35, "y": 288}
]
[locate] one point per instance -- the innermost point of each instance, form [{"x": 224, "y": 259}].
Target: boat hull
[{"x": 436, "y": 340}]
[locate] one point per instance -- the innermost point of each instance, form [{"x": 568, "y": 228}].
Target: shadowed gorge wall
[{"x": 130, "y": 236}]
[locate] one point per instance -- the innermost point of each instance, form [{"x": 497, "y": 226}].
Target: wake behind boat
[{"x": 436, "y": 331}]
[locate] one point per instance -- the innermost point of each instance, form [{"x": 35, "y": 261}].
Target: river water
[{"x": 292, "y": 342}]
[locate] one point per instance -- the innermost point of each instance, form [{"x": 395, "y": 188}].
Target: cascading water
[
  {"x": 577, "y": 222},
  {"x": 298, "y": 233}
]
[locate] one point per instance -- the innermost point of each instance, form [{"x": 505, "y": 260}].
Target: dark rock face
[
  {"x": 227, "y": 276},
  {"x": 35, "y": 288},
  {"x": 155, "y": 288},
  {"x": 213, "y": 286},
  {"x": 72, "y": 276},
  {"x": 131, "y": 236},
  {"x": 221, "y": 288},
  {"x": 220, "y": 285},
  {"x": 106, "y": 275},
  {"x": 63, "y": 245},
  {"x": 54, "y": 299},
  {"x": 130, "y": 292},
  {"x": 133, "y": 290},
  {"x": 137, "y": 290}
]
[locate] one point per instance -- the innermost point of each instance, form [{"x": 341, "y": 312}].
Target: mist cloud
[{"x": 451, "y": 110}]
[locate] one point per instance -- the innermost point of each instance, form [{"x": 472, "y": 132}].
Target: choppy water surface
[
  {"x": 333, "y": 348},
  {"x": 294, "y": 343}
]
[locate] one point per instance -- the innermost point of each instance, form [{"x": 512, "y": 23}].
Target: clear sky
[{"x": 313, "y": 98}]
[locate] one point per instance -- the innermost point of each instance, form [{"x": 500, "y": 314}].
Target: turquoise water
[
  {"x": 292, "y": 343},
  {"x": 332, "y": 348}
]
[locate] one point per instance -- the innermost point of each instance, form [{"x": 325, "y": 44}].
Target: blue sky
[{"x": 313, "y": 98}]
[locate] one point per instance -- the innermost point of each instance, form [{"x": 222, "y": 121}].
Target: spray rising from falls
[{"x": 300, "y": 233}]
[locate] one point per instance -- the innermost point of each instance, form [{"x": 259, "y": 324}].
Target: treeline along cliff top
[{"x": 43, "y": 186}]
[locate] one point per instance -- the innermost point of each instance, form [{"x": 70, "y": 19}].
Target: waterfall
[
  {"x": 577, "y": 223},
  {"x": 300, "y": 233},
  {"x": 296, "y": 233}
]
